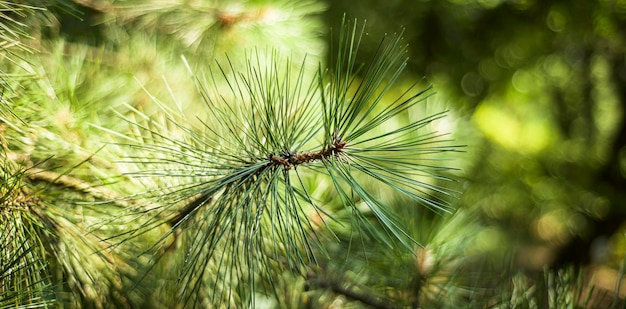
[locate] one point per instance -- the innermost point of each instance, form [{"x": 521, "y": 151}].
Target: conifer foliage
[
  {"x": 240, "y": 197},
  {"x": 113, "y": 197},
  {"x": 205, "y": 154}
]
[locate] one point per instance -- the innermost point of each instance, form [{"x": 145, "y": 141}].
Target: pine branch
[
  {"x": 238, "y": 189},
  {"x": 205, "y": 27},
  {"x": 68, "y": 182},
  {"x": 349, "y": 293},
  {"x": 43, "y": 229}
]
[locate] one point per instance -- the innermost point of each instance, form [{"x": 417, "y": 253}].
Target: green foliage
[
  {"x": 222, "y": 154},
  {"x": 240, "y": 197},
  {"x": 44, "y": 244},
  {"x": 24, "y": 274}
]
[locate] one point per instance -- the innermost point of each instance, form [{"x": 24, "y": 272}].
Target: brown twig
[
  {"x": 292, "y": 159},
  {"x": 351, "y": 294},
  {"x": 104, "y": 194}
]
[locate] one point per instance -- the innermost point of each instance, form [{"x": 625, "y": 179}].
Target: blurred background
[{"x": 536, "y": 91}]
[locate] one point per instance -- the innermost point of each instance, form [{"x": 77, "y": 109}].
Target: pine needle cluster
[{"x": 240, "y": 192}]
